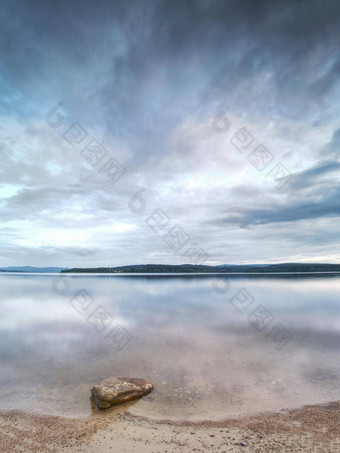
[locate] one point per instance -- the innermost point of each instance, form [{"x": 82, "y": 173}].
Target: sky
[{"x": 169, "y": 132}]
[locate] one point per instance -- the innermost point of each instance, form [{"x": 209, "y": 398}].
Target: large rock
[{"x": 119, "y": 390}]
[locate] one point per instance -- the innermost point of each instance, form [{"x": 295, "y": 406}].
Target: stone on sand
[{"x": 119, "y": 390}]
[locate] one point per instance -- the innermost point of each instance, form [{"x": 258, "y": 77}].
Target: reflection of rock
[{"x": 119, "y": 390}]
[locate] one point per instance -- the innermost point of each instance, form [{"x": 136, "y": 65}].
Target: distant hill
[
  {"x": 225, "y": 268},
  {"x": 40, "y": 270}
]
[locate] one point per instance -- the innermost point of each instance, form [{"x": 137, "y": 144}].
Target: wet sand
[{"x": 312, "y": 429}]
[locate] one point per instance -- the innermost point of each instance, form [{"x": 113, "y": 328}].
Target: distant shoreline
[
  {"x": 225, "y": 275},
  {"x": 185, "y": 269},
  {"x": 285, "y": 268}
]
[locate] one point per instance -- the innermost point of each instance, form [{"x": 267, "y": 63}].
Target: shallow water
[{"x": 196, "y": 338}]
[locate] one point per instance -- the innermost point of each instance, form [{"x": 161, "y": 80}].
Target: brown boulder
[{"x": 119, "y": 390}]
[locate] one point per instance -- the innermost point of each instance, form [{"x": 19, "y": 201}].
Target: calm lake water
[{"x": 207, "y": 344}]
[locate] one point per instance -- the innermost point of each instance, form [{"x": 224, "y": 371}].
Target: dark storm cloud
[
  {"x": 146, "y": 65},
  {"x": 321, "y": 200},
  {"x": 327, "y": 206},
  {"x": 321, "y": 173}
]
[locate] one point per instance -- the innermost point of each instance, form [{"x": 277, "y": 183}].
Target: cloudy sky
[{"x": 160, "y": 131}]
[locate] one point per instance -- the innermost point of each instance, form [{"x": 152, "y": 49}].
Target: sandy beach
[{"x": 312, "y": 429}]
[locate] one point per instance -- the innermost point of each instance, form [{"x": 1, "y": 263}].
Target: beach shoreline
[{"x": 313, "y": 429}]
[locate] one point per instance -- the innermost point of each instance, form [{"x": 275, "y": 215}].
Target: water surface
[{"x": 194, "y": 337}]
